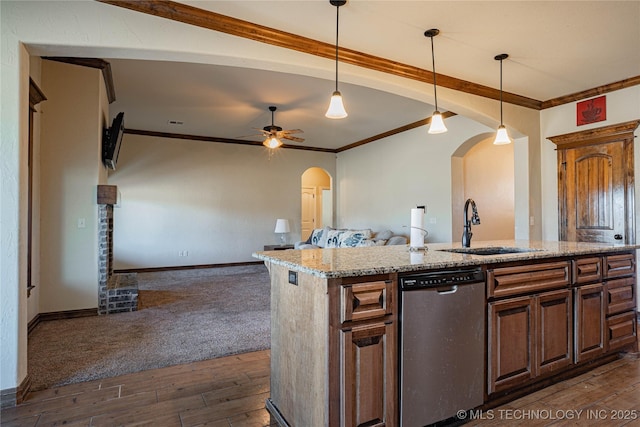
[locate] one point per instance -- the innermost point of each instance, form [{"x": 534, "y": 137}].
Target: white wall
[
  {"x": 380, "y": 182},
  {"x": 33, "y": 301},
  {"x": 70, "y": 171},
  {"x": 219, "y": 202}
]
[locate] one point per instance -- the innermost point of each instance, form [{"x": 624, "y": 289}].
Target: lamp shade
[
  {"x": 437, "y": 124},
  {"x": 282, "y": 226},
  {"x": 502, "y": 137},
  {"x": 336, "y": 107}
]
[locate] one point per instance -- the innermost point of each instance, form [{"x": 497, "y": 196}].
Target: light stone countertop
[{"x": 350, "y": 262}]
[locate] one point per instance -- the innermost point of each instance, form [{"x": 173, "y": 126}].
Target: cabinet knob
[{"x": 618, "y": 236}]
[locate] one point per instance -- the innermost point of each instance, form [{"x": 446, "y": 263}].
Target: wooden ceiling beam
[
  {"x": 395, "y": 131},
  {"x": 237, "y": 27}
]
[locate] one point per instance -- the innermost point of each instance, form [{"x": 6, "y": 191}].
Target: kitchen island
[{"x": 552, "y": 308}]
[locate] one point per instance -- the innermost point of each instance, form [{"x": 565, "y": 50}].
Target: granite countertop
[{"x": 349, "y": 262}]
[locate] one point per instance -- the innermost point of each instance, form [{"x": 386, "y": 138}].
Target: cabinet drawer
[
  {"x": 619, "y": 265},
  {"x": 621, "y": 330},
  {"x": 516, "y": 280},
  {"x": 620, "y": 295},
  {"x": 366, "y": 300},
  {"x": 587, "y": 270}
]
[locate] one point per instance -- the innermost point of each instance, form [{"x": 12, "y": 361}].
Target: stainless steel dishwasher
[{"x": 442, "y": 343}]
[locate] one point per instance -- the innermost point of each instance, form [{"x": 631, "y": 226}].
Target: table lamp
[{"x": 282, "y": 227}]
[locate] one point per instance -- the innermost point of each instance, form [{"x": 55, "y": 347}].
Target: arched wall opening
[
  {"x": 316, "y": 195},
  {"x": 495, "y": 177}
]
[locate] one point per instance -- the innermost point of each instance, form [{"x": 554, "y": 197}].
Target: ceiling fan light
[
  {"x": 502, "y": 136},
  {"x": 437, "y": 123},
  {"x": 272, "y": 142},
  {"x": 336, "y": 107}
]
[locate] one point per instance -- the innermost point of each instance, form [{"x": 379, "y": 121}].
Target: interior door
[
  {"x": 596, "y": 198},
  {"x": 595, "y": 188},
  {"x": 308, "y": 216}
]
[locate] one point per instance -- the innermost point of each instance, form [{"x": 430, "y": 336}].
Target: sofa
[{"x": 328, "y": 237}]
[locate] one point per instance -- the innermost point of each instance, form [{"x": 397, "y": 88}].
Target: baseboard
[
  {"x": 15, "y": 396},
  {"x": 57, "y": 315},
  {"x": 186, "y": 267}
]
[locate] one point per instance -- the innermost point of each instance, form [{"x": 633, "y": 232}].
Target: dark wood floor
[{"x": 231, "y": 391}]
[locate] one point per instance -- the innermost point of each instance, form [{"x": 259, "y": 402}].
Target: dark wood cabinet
[
  {"x": 511, "y": 341},
  {"x": 554, "y": 331},
  {"x": 368, "y": 361},
  {"x": 368, "y": 355},
  {"x": 529, "y": 337},
  {"x": 589, "y": 322}
]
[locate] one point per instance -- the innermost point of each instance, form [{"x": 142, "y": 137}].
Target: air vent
[{"x": 175, "y": 122}]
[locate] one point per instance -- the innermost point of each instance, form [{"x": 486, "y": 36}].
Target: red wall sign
[{"x": 591, "y": 110}]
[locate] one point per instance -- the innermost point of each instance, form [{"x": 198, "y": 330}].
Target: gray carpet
[{"x": 183, "y": 316}]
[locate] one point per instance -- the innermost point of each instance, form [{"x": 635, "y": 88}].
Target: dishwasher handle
[{"x": 452, "y": 290}]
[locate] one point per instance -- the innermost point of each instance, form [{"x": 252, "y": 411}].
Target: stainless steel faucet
[{"x": 475, "y": 220}]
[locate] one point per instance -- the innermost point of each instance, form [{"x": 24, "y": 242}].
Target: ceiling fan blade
[
  {"x": 293, "y": 131},
  {"x": 263, "y": 134},
  {"x": 292, "y": 138}
]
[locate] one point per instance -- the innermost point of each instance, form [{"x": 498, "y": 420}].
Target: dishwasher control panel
[{"x": 441, "y": 278}]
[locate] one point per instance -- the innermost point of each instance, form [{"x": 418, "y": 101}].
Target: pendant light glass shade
[
  {"x": 502, "y": 136},
  {"x": 437, "y": 122},
  {"x": 336, "y": 107}
]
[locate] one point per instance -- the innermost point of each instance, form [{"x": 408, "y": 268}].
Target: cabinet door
[
  {"x": 511, "y": 336},
  {"x": 368, "y": 366},
  {"x": 554, "y": 331},
  {"x": 589, "y": 322}
]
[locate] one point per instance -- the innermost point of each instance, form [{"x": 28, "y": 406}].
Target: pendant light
[
  {"x": 437, "y": 124},
  {"x": 502, "y": 137},
  {"x": 336, "y": 107}
]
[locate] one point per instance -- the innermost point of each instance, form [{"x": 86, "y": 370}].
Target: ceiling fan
[{"x": 274, "y": 134}]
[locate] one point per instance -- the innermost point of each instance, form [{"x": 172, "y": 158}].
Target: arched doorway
[
  {"x": 485, "y": 173},
  {"x": 317, "y": 201}
]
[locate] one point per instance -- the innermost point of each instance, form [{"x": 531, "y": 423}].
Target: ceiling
[{"x": 555, "y": 48}]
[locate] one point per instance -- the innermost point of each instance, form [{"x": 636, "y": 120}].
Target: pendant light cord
[
  {"x": 501, "y": 93},
  {"x": 337, "y": 33},
  {"x": 433, "y": 62}
]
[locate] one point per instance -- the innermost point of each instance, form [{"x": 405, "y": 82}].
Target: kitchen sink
[{"x": 492, "y": 250}]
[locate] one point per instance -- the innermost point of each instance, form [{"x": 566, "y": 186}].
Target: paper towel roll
[
  {"x": 417, "y": 225},
  {"x": 416, "y": 257}
]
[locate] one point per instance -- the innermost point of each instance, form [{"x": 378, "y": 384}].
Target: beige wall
[
  {"x": 216, "y": 202},
  {"x": 488, "y": 180},
  {"x": 70, "y": 170}
]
